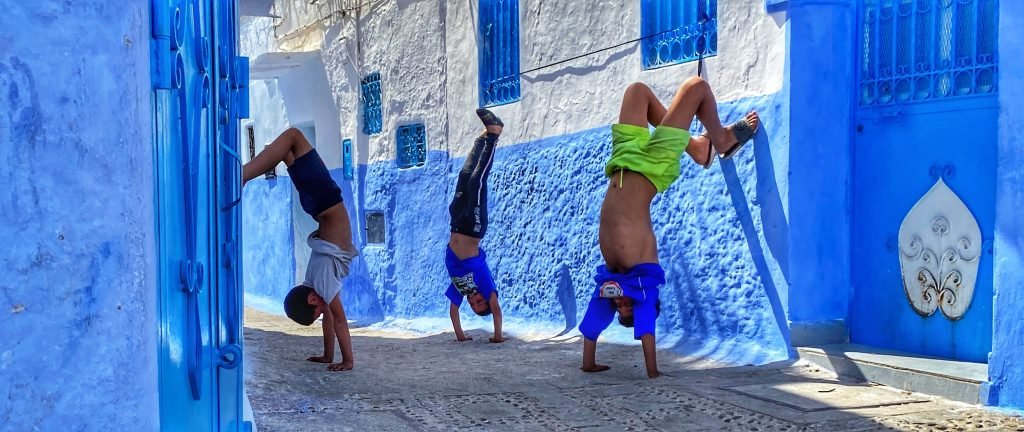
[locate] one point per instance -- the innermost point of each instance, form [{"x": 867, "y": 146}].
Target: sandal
[
  {"x": 711, "y": 153},
  {"x": 743, "y": 132}
]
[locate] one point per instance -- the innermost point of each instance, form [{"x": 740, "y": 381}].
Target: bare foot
[
  {"x": 595, "y": 368},
  {"x": 653, "y": 375},
  {"x": 701, "y": 150},
  {"x": 344, "y": 366}
]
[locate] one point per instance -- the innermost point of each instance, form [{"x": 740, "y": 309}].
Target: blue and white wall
[
  {"x": 754, "y": 248},
  {"x": 78, "y": 292},
  {"x": 723, "y": 233}
]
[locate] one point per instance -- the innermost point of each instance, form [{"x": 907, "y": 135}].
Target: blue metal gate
[
  {"x": 200, "y": 92},
  {"x": 926, "y": 110}
]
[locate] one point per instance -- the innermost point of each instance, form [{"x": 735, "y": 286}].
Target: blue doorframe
[
  {"x": 926, "y": 109},
  {"x": 200, "y": 92}
]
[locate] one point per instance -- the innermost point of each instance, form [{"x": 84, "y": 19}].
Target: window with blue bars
[
  {"x": 926, "y": 50},
  {"x": 499, "y": 52},
  {"x": 371, "y": 99},
  {"x": 677, "y": 31},
  {"x": 412, "y": 145},
  {"x": 346, "y": 159}
]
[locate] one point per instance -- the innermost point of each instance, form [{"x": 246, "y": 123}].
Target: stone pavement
[{"x": 407, "y": 382}]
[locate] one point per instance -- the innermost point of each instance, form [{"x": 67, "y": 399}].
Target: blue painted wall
[
  {"x": 267, "y": 249},
  {"x": 723, "y": 237},
  {"x": 78, "y": 289},
  {"x": 1005, "y": 373},
  {"x": 272, "y": 221},
  {"x": 821, "y": 51}
]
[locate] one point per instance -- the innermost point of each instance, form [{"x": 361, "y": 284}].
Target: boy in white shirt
[{"x": 331, "y": 243}]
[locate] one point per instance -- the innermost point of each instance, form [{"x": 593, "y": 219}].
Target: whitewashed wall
[
  {"x": 426, "y": 52},
  {"x": 585, "y": 93}
]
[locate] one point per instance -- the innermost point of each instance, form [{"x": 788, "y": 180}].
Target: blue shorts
[
  {"x": 317, "y": 190},
  {"x": 468, "y": 276},
  {"x": 640, "y": 283}
]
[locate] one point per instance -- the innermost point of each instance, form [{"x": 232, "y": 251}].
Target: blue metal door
[
  {"x": 926, "y": 110},
  {"x": 198, "y": 86}
]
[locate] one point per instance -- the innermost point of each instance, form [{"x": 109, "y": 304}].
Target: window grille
[
  {"x": 677, "y": 31},
  {"x": 926, "y": 50},
  {"x": 412, "y": 145},
  {"x": 499, "y": 52},
  {"x": 371, "y": 99}
]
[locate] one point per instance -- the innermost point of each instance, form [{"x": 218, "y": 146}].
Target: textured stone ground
[{"x": 407, "y": 382}]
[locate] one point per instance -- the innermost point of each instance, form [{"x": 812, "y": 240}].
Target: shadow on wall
[
  {"x": 773, "y": 223},
  {"x": 583, "y": 70},
  {"x": 722, "y": 255},
  {"x": 566, "y": 298}
]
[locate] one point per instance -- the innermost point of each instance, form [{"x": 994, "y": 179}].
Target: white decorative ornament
[{"x": 940, "y": 244}]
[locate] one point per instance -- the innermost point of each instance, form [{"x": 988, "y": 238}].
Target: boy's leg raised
[{"x": 285, "y": 148}]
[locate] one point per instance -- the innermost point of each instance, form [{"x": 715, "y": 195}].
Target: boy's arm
[
  {"x": 597, "y": 318},
  {"x": 453, "y": 311},
  {"x": 590, "y": 357},
  {"x": 650, "y": 355},
  {"x": 328, "y": 325},
  {"x": 496, "y": 313},
  {"x": 344, "y": 338}
]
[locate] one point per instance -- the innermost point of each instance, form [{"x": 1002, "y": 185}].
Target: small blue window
[
  {"x": 346, "y": 158},
  {"x": 371, "y": 99},
  {"x": 412, "y": 145},
  {"x": 499, "y": 52},
  {"x": 677, "y": 31}
]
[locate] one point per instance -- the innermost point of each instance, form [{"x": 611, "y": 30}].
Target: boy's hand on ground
[
  {"x": 343, "y": 366},
  {"x": 320, "y": 359},
  {"x": 595, "y": 368},
  {"x": 464, "y": 339},
  {"x": 497, "y": 339}
]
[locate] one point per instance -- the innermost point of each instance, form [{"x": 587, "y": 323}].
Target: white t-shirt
[{"x": 328, "y": 264}]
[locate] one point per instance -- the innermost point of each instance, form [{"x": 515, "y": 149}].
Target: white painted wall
[
  {"x": 585, "y": 93},
  {"x": 426, "y": 52}
]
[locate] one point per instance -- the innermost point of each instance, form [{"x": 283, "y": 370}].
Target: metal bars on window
[
  {"x": 677, "y": 31},
  {"x": 926, "y": 50},
  {"x": 370, "y": 96},
  {"x": 499, "y": 52},
  {"x": 412, "y": 145}
]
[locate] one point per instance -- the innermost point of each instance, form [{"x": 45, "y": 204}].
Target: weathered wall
[
  {"x": 78, "y": 320},
  {"x": 723, "y": 233},
  {"x": 1005, "y": 373},
  {"x": 821, "y": 50},
  {"x": 719, "y": 232},
  {"x": 585, "y": 93},
  {"x": 275, "y": 224}
]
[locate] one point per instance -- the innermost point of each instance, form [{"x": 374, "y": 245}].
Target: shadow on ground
[{"x": 406, "y": 382}]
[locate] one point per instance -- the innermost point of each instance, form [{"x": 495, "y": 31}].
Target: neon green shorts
[{"x": 656, "y": 156}]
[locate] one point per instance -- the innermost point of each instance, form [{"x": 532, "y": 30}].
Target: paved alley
[{"x": 405, "y": 382}]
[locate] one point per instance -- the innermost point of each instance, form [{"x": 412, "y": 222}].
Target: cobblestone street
[{"x": 404, "y": 382}]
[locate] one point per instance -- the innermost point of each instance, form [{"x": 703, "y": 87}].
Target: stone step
[{"x": 950, "y": 379}]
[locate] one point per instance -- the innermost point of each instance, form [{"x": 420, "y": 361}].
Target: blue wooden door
[
  {"x": 195, "y": 75},
  {"x": 926, "y": 109},
  {"x": 232, "y": 101}
]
